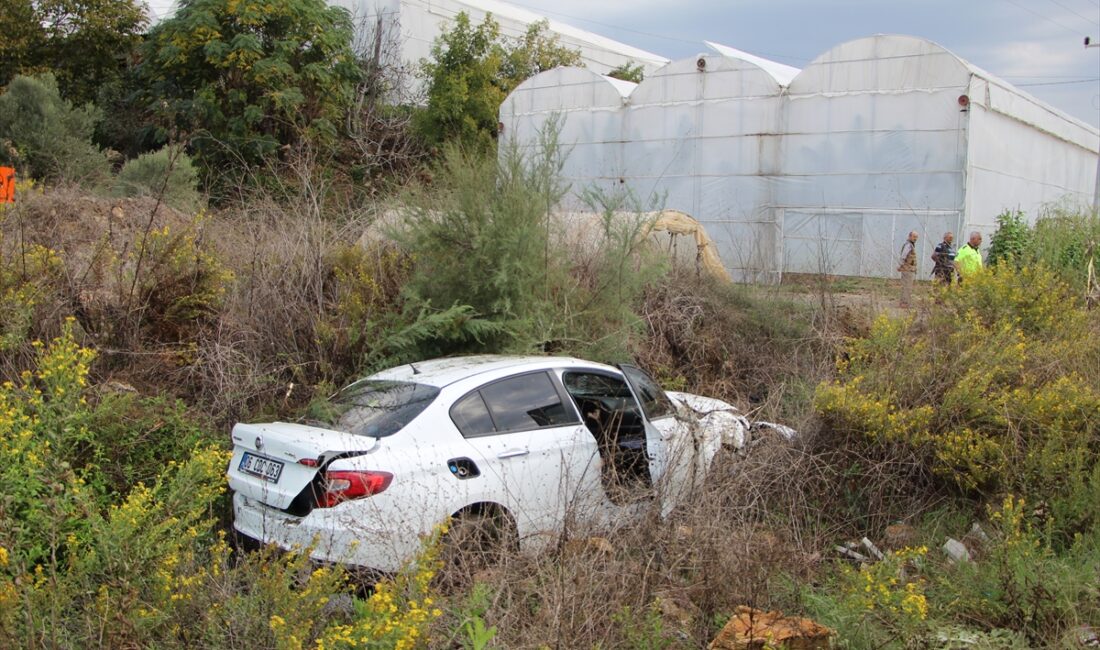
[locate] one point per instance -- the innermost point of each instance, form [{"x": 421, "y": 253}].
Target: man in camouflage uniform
[{"x": 908, "y": 267}]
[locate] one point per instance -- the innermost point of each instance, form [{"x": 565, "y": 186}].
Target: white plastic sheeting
[
  {"x": 823, "y": 171},
  {"x": 704, "y": 143}
]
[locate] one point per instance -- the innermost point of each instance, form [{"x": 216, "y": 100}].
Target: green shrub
[
  {"x": 1010, "y": 242},
  {"x": 46, "y": 137},
  {"x": 1063, "y": 239},
  {"x": 132, "y": 438},
  {"x": 470, "y": 72},
  {"x": 1066, "y": 240},
  {"x": 166, "y": 173},
  {"x": 998, "y": 390},
  {"x": 633, "y": 73},
  {"x": 1017, "y": 591},
  {"x": 1019, "y": 582},
  {"x": 480, "y": 237},
  {"x": 245, "y": 78},
  {"x": 485, "y": 250}
]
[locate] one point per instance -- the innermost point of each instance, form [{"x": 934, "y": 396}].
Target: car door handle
[{"x": 513, "y": 453}]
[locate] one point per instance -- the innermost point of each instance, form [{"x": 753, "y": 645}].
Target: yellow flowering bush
[
  {"x": 64, "y": 536},
  {"x": 885, "y": 588},
  {"x": 89, "y": 560},
  {"x": 399, "y": 612},
  {"x": 1020, "y": 581},
  {"x": 176, "y": 281},
  {"x": 27, "y": 278},
  {"x": 997, "y": 388},
  {"x": 883, "y": 604}
]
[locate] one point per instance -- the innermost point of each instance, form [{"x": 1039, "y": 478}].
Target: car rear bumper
[{"x": 339, "y": 535}]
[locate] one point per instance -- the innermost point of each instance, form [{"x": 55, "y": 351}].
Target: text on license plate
[{"x": 265, "y": 468}]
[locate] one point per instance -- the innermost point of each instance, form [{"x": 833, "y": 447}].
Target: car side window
[
  {"x": 526, "y": 402},
  {"x": 654, "y": 401},
  {"x": 520, "y": 403},
  {"x": 471, "y": 416}
]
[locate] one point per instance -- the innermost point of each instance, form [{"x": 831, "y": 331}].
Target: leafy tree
[
  {"x": 471, "y": 71},
  {"x": 84, "y": 43},
  {"x": 244, "y": 78},
  {"x": 463, "y": 96},
  {"x": 628, "y": 72},
  {"x": 536, "y": 51},
  {"x": 46, "y": 136}
]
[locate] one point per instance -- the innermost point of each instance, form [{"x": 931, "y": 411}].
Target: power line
[
  {"x": 1043, "y": 76},
  {"x": 1075, "y": 13},
  {"x": 1061, "y": 83},
  {"x": 1043, "y": 16}
]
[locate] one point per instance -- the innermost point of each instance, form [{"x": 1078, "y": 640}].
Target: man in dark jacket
[{"x": 944, "y": 257}]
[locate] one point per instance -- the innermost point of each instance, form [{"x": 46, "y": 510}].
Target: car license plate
[{"x": 265, "y": 468}]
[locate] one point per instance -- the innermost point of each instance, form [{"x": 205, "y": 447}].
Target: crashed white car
[{"x": 530, "y": 441}]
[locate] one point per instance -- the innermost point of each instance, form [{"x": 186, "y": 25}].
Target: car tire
[{"x": 476, "y": 541}]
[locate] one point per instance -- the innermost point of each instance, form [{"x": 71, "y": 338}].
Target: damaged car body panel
[{"x": 537, "y": 440}]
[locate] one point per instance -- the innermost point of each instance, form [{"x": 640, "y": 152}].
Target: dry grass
[
  {"x": 751, "y": 346},
  {"x": 765, "y": 522}
]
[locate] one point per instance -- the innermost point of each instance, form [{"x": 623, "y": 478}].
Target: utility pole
[{"x": 1096, "y": 187}]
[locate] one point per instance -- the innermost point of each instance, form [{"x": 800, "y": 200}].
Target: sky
[{"x": 1037, "y": 45}]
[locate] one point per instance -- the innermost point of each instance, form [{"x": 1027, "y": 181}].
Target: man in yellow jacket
[{"x": 968, "y": 260}]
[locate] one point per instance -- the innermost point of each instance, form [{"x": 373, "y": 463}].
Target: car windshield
[{"x": 379, "y": 408}]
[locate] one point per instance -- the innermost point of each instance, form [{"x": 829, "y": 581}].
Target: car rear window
[
  {"x": 379, "y": 408},
  {"x": 471, "y": 416}
]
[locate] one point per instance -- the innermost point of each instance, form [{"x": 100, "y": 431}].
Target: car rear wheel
[{"x": 476, "y": 541}]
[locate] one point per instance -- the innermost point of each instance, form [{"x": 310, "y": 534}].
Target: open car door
[{"x": 675, "y": 453}]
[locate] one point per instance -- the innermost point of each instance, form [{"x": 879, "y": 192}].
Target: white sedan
[{"x": 529, "y": 441}]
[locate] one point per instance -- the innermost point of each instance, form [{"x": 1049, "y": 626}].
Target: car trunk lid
[{"x": 272, "y": 463}]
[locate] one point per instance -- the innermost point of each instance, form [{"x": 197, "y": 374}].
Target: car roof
[{"x": 448, "y": 370}]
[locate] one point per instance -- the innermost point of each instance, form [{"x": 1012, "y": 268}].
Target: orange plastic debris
[
  {"x": 754, "y": 629},
  {"x": 7, "y": 185}
]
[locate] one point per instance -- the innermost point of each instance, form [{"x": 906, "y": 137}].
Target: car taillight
[{"x": 343, "y": 486}]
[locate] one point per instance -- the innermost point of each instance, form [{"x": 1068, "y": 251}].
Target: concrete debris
[
  {"x": 754, "y": 629},
  {"x": 956, "y": 551},
  {"x": 851, "y": 553},
  {"x": 114, "y": 386},
  {"x": 1087, "y": 637},
  {"x": 870, "y": 546},
  {"x": 977, "y": 533}
]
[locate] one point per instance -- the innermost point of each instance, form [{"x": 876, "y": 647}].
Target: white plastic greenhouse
[
  {"x": 823, "y": 170},
  {"x": 415, "y": 24}
]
